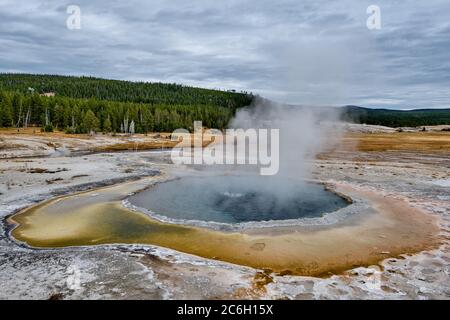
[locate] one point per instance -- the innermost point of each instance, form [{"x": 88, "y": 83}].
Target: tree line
[
  {"x": 396, "y": 118},
  {"x": 124, "y": 91},
  {"x": 82, "y": 105}
]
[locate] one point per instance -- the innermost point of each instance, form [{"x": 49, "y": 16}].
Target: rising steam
[{"x": 304, "y": 132}]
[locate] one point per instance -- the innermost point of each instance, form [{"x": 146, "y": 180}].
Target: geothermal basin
[{"x": 309, "y": 232}]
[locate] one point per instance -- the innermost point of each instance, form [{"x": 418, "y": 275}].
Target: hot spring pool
[
  {"x": 99, "y": 217},
  {"x": 237, "y": 199}
]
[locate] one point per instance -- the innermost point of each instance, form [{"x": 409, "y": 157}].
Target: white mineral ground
[{"x": 152, "y": 272}]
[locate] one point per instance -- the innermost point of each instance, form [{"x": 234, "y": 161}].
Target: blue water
[{"x": 234, "y": 199}]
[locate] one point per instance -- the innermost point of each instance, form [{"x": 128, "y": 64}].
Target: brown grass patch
[
  {"x": 143, "y": 145},
  {"x": 147, "y": 145},
  {"x": 404, "y": 141},
  {"x": 437, "y": 143}
]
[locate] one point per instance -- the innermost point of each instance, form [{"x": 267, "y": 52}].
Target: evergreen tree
[
  {"x": 107, "y": 126},
  {"x": 151, "y": 106},
  {"x": 90, "y": 122},
  {"x": 6, "y": 113}
]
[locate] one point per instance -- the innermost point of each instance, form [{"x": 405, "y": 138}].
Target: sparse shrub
[
  {"x": 48, "y": 128},
  {"x": 70, "y": 130}
]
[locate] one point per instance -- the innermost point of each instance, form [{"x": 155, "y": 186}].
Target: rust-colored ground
[
  {"x": 401, "y": 145},
  {"x": 397, "y": 228},
  {"x": 429, "y": 141},
  {"x": 76, "y": 220},
  {"x": 11, "y": 138},
  {"x": 436, "y": 142}
]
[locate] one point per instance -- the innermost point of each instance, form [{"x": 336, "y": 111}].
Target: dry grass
[
  {"x": 418, "y": 142},
  {"x": 162, "y": 141},
  {"x": 36, "y": 131},
  {"x": 140, "y": 146},
  {"x": 403, "y": 141},
  {"x": 134, "y": 146}
]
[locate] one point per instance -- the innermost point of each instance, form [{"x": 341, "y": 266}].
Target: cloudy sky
[{"x": 302, "y": 52}]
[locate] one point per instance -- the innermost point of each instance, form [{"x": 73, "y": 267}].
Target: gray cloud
[{"x": 308, "y": 52}]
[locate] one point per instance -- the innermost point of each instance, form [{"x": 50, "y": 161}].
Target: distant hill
[
  {"x": 123, "y": 91},
  {"x": 84, "y": 104},
  {"x": 396, "y": 118}
]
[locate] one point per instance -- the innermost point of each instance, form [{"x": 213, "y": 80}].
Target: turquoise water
[{"x": 235, "y": 199}]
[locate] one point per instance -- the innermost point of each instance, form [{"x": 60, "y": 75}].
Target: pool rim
[{"x": 328, "y": 218}]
